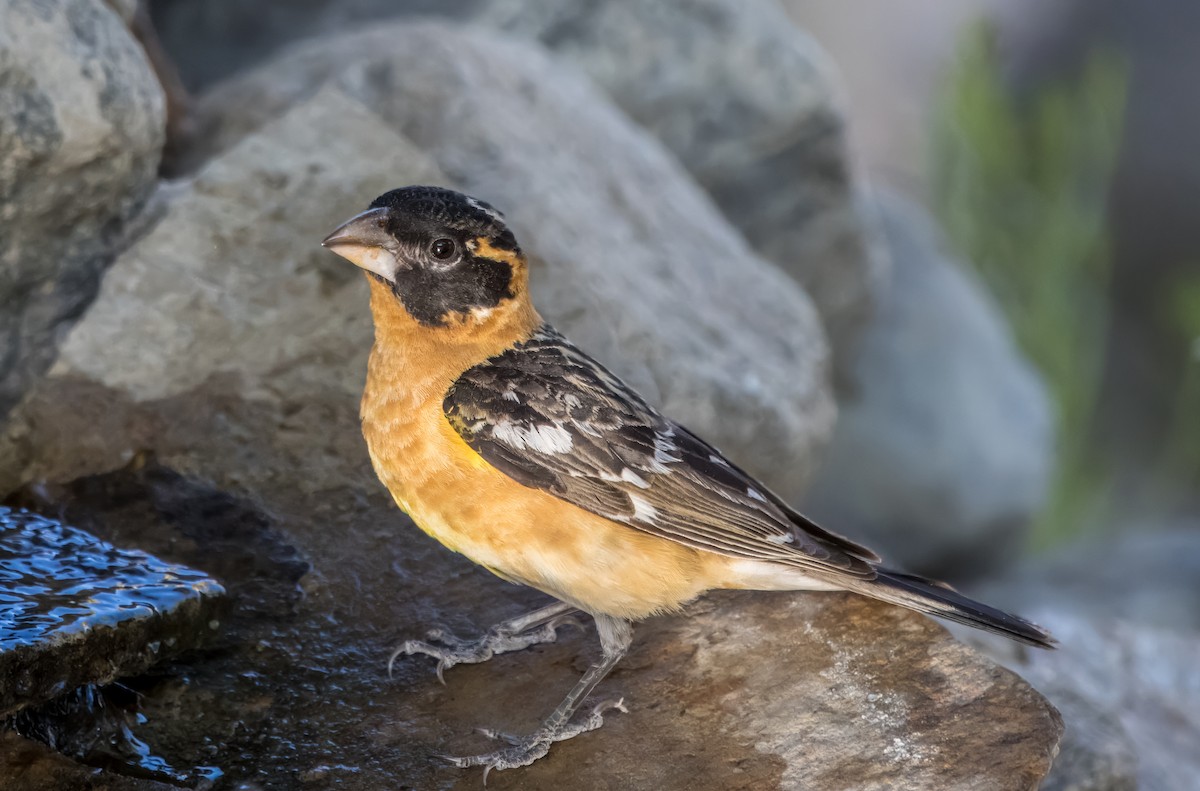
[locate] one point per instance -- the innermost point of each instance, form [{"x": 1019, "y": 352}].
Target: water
[{"x": 56, "y": 580}]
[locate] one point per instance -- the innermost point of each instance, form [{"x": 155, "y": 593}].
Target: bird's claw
[
  {"x": 452, "y": 650},
  {"x": 524, "y": 750}
]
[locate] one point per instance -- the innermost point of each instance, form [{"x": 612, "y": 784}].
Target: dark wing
[{"x": 552, "y": 418}]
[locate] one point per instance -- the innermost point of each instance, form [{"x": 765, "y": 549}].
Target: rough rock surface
[
  {"x": 751, "y": 691},
  {"x": 81, "y": 129},
  {"x": 944, "y": 441},
  {"x": 630, "y": 259},
  {"x": 76, "y": 610},
  {"x": 746, "y": 100}
]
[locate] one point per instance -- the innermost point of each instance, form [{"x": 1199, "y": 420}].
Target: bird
[{"x": 507, "y": 443}]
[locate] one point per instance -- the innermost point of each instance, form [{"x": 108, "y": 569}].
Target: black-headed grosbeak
[{"x": 507, "y": 443}]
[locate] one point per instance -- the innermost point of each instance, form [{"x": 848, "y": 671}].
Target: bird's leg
[
  {"x": 539, "y": 626},
  {"x": 615, "y": 638}
]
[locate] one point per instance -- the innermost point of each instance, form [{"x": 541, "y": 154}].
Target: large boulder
[
  {"x": 631, "y": 260},
  {"x": 235, "y": 349},
  {"x": 944, "y": 445},
  {"x": 744, "y": 98},
  {"x": 747, "y": 101},
  {"x": 81, "y": 131}
]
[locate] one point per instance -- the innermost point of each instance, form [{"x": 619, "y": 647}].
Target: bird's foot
[
  {"x": 450, "y": 650},
  {"x": 524, "y": 750}
]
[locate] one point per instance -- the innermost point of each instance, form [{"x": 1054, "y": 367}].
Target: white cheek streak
[
  {"x": 541, "y": 437},
  {"x": 642, "y": 510}
]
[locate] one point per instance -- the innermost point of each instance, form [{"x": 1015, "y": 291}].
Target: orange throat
[{"x": 414, "y": 362}]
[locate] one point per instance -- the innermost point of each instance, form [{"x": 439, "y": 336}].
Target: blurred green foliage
[
  {"x": 1020, "y": 187},
  {"x": 1181, "y": 452}
]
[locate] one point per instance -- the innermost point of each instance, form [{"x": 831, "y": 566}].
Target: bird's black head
[{"x": 443, "y": 254}]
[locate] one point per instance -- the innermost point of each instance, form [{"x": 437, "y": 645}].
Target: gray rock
[
  {"x": 751, "y": 691},
  {"x": 945, "y": 442},
  {"x": 745, "y": 99},
  {"x": 77, "y": 610},
  {"x": 81, "y": 129},
  {"x": 1096, "y": 753},
  {"x": 1125, "y": 609},
  {"x": 630, "y": 259},
  {"x": 1130, "y": 677},
  {"x": 213, "y": 39}
]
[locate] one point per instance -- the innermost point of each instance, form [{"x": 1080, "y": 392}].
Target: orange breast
[{"x": 522, "y": 534}]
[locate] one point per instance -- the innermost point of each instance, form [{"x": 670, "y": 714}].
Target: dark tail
[{"x": 936, "y": 598}]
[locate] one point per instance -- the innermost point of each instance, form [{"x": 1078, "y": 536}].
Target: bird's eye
[{"x": 442, "y": 248}]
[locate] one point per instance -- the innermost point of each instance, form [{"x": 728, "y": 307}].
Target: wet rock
[
  {"x": 26, "y": 765},
  {"x": 746, "y": 100},
  {"x": 629, "y": 258},
  {"x": 76, "y": 610},
  {"x": 944, "y": 445},
  {"x": 235, "y": 349},
  {"x": 81, "y": 128}
]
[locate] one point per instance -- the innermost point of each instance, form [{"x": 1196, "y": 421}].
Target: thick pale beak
[{"x": 363, "y": 241}]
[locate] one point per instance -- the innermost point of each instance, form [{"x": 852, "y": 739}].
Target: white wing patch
[
  {"x": 629, "y": 476},
  {"x": 540, "y": 437},
  {"x": 642, "y": 510},
  {"x": 665, "y": 451}
]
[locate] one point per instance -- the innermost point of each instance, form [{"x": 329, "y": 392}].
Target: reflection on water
[
  {"x": 56, "y": 580},
  {"x": 95, "y": 725}
]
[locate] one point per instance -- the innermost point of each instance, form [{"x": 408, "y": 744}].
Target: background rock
[
  {"x": 1141, "y": 678},
  {"x": 1093, "y": 578},
  {"x": 945, "y": 438},
  {"x": 630, "y": 259},
  {"x": 736, "y": 91},
  {"x": 1096, "y": 753},
  {"x": 746, "y": 100},
  {"x": 1124, "y": 609},
  {"x": 212, "y": 39},
  {"x": 235, "y": 349},
  {"x": 81, "y": 128}
]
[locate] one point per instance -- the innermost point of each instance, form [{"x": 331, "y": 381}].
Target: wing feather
[{"x": 552, "y": 418}]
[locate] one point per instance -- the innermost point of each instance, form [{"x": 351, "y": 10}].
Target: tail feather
[{"x": 938, "y": 599}]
